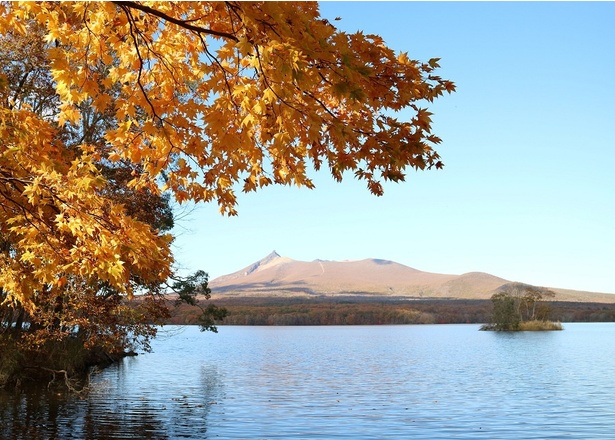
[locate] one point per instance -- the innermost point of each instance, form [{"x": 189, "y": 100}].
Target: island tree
[
  {"x": 111, "y": 110},
  {"x": 517, "y": 304}
]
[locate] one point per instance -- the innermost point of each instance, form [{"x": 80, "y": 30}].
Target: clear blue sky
[{"x": 528, "y": 188}]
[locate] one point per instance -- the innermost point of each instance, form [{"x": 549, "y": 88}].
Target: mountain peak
[
  {"x": 270, "y": 260},
  {"x": 261, "y": 263},
  {"x": 272, "y": 255}
]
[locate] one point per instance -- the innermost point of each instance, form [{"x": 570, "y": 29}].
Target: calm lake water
[{"x": 371, "y": 382}]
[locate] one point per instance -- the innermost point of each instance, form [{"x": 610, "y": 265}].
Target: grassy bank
[
  {"x": 526, "y": 326},
  {"x": 540, "y": 326}
]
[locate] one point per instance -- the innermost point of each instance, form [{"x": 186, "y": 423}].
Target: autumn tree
[
  {"x": 188, "y": 100},
  {"x": 505, "y": 313},
  {"x": 88, "y": 313},
  {"x": 515, "y": 303}
]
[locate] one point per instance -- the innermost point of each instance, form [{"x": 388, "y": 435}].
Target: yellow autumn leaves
[
  {"x": 204, "y": 99},
  {"x": 57, "y": 223}
]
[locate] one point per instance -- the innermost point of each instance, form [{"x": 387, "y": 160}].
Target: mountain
[{"x": 276, "y": 275}]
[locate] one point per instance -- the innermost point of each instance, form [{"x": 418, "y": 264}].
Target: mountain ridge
[{"x": 275, "y": 275}]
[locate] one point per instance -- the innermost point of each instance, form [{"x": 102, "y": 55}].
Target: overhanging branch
[{"x": 181, "y": 23}]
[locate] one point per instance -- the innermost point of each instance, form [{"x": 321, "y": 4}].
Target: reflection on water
[
  {"x": 170, "y": 403},
  {"x": 340, "y": 382},
  {"x": 161, "y": 404}
]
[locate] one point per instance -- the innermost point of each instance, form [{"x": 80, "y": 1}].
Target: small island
[{"x": 521, "y": 307}]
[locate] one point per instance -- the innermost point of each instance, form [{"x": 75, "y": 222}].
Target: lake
[{"x": 370, "y": 382}]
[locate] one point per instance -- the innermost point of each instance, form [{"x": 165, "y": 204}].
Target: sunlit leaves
[
  {"x": 239, "y": 77},
  {"x": 201, "y": 99},
  {"x": 59, "y": 224}
]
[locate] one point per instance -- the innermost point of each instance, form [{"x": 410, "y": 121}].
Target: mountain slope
[{"x": 275, "y": 275}]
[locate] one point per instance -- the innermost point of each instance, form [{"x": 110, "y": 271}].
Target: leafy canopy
[{"x": 201, "y": 98}]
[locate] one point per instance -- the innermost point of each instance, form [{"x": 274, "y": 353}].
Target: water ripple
[{"x": 390, "y": 382}]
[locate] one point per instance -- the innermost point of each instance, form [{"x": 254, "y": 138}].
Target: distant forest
[{"x": 375, "y": 311}]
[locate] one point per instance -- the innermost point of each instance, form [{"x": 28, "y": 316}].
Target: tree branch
[{"x": 181, "y": 23}]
